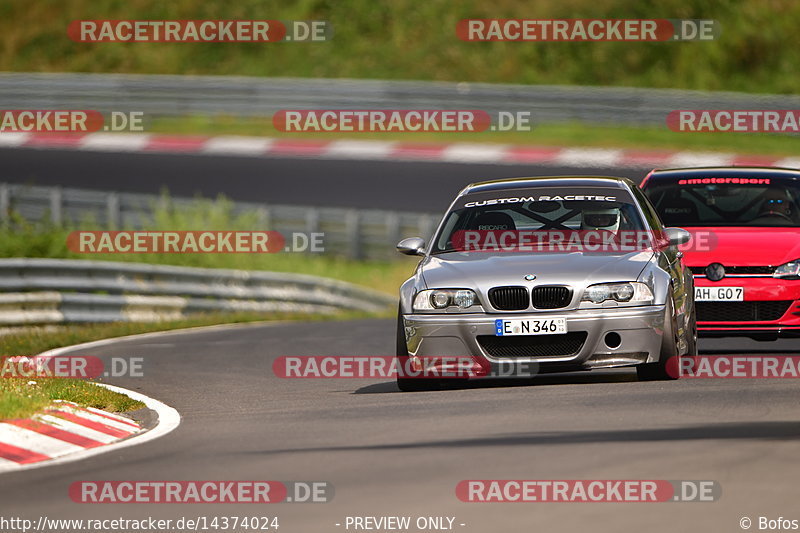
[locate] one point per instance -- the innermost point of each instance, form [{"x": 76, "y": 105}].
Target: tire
[
  {"x": 669, "y": 349},
  {"x": 691, "y": 334},
  {"x": 409, "y": 384}
]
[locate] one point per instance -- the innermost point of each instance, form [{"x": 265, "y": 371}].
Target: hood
[
  {"x": 742, "y": 246},
  {"x": 482, "y": 271}
]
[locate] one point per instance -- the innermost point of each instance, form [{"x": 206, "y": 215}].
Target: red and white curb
[
  {"x": 66, "y": 432},
  {"x": 387, "y": 150},
  {"x": 59, "y": 430}
]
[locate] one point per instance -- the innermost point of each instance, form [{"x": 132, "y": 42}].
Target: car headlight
[
  {"x": 790, "y": 270},
  {"x": 629, "y": 293},
  {"x": 442, "y": 299}
]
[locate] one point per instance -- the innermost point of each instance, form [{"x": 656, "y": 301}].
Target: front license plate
[
  {"x": 530, "y": 326},
  {"x": 719, "y": 294}
]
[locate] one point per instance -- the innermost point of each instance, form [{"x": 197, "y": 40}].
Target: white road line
[
  {"x": 114, "y": 142},
  {"x": 588, "y": 157},
  {"x": 236, "y": 145},
  {"x": 475, "y": 153},
  {"x": 77, "y": 429},
  {"x": 35, "y": 442},
  {"x": 789, "y": 162},
  {"x": 115, "y": 416},
  {"x": 359, "y": 149},
  {"x": 700, "y": 159},
  {"x": 13, "y": 138},
  {"x": 122, "y": 426}
]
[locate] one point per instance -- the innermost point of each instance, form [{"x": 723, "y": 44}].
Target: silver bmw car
[{"x": 548, "y": 274}]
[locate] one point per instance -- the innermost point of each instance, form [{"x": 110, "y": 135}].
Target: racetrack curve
[{"x": 392, "y": 453}]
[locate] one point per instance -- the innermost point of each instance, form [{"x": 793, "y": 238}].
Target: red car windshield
[{"x": 726, "y": 202}]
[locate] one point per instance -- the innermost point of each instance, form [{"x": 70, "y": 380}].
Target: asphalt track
[
  {"x": 402, "y": 454},
  {"x": 397, "y": 185},
  {"x": 392, "y": 453}
]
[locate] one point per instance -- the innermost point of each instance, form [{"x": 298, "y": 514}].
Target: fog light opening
[{"x": 613, "y": 340}]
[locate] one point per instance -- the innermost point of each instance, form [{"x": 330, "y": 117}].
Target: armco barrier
[
  {"x": 43, "y": 291},
  {"x": 354, "y": 233},
  {"x": 159, "y": 95}
]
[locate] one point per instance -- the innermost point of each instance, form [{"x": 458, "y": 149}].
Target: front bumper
[
  {"x": 639, "y": 328},
  {"x": 722, "y": 318}
]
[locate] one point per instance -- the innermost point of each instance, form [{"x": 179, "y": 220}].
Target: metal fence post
[
  {"x": 353, "y": 229},
  {"x": 5, "y": 203},
  {"x": 264, "y": 218},
  {"x": 113, "y": 215},
  {"x": 392, "y": 230},
  {"x": 56, "y": 204},
  {"x": 164, "y": 204},
  {"x": 425, "y": 226},
  {"x": 312, "y": 225}
]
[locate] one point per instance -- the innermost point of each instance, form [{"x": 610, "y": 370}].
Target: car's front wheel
[{"x": 664, "y": 369}]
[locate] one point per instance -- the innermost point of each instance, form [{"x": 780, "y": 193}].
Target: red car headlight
[{"x": 790, "y": 270}]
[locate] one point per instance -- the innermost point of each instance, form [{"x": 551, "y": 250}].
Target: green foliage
[
  {"x": 20, "y": 398},
  {"x": 23, "y": 238},
  {"x": 408, "y": 39}
]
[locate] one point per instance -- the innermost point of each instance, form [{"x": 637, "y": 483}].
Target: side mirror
[
  {"x": 412, "y": 246},
  {"x": 677, "y": 236}
]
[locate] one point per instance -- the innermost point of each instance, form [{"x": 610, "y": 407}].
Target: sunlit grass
[{"x": 556, "y": 134}]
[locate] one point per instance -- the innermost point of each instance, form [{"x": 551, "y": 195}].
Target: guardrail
[
  {"x": 159, "y": 95},
  {"x": 48, "y": 291},
  {"x": 353, "y": 233}
]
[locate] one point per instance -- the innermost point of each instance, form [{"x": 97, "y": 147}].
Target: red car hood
[{"x": 742, "y": 246}]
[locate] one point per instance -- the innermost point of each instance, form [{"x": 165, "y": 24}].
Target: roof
[
  {"x": 711, "y": 172},
  {"x": 548, "y": 181}
]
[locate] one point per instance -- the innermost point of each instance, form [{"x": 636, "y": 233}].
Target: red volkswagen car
[{"x": 745, "y": 251}]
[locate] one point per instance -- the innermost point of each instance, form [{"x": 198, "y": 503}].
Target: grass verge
[
  {"x": 21, "y": 398},
  {"x": 557, "y": 134}
]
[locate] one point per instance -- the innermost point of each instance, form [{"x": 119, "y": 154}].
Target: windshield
[
  {"x": 528, "y": 212},
  {"x": 726, "y": 202}
]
